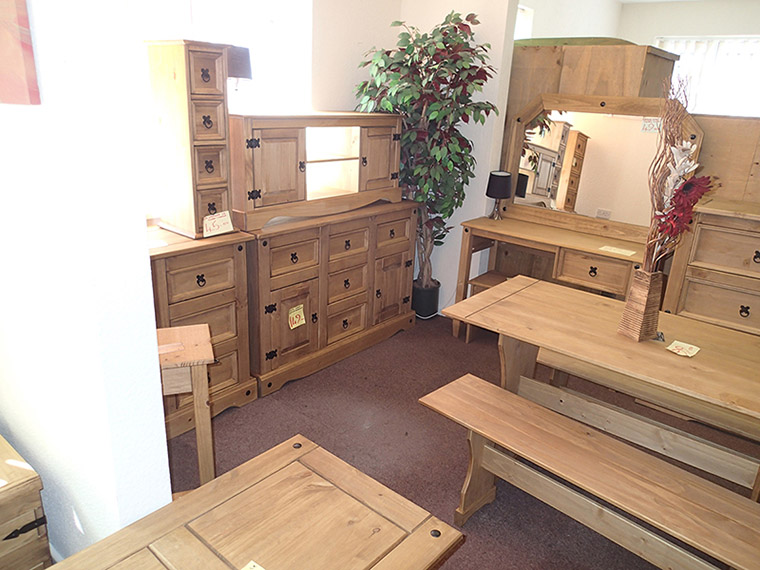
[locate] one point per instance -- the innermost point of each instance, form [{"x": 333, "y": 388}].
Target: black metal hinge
[
  {"x": 252, "y": 143},
  {"x": 271, "y": 354},
  {"x": 26, "y": 528},
  {"x": 396, "y": 136},
  {"x": 254, "y": 194},
  {"x": 394, "y": 175},
  {"x": 406, "y": 299},
  {"x": 270, "y": 308}
]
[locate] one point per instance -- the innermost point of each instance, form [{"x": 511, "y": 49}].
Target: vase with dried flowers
[{"x": 673, "y": 191}]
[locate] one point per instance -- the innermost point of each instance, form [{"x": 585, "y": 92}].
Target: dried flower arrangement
[{"x": 673, "y": 188}]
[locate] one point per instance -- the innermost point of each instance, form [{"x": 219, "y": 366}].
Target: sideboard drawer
[
  {"x": 294, "y": 256},
  {"x": 723, "y": 299},
  {"x": 196, "y": 274},
  {"x": 393, "y": 235},
  {"x": 727, "y": 249},
  {"x": 347, "y": 283},
  {"x": 348, "y": 240},
  {"x": 346, "y": 319},
  {"x": 595, "y": 271}
]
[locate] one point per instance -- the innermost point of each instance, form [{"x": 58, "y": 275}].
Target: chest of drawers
[
  {"x": 204, "y": 281},
  {"x": 716, "y": 273},
  {"x": 324, "y": 288},
  {"x": 23, "y": 531}
]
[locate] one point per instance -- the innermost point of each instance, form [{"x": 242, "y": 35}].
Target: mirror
[{"x": 594, "y": 158}]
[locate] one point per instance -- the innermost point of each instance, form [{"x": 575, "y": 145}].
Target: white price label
[{"x": 216, "y": 224}]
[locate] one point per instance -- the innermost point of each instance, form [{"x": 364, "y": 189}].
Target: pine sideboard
[{"x": 23, "y": 530}]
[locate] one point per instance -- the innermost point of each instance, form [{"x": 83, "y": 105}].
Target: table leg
[
  {"x": 465, "y": 259},
  {"x": 517, "y": 359},
  {"x": 479, "y": 486},
  {"x": 203, "y": 432}
]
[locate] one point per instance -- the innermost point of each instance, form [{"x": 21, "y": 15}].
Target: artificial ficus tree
[{"x": 430, "y": 79}]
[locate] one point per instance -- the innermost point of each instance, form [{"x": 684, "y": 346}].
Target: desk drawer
[
  {"x": 728, "y": 249},
  {"x": 594, "y": 271},
  {"x": 723, "y": 299}
]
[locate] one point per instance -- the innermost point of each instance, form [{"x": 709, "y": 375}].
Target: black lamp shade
[{"x": 499, "y": 185}]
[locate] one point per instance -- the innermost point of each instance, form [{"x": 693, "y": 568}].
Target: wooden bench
[{"x": 511, "y": 437}]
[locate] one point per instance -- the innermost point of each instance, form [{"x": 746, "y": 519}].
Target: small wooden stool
[{"x": 184, "y": 354}]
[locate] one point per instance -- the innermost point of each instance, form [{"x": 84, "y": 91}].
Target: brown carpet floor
[{"x": 364, "y": 409}]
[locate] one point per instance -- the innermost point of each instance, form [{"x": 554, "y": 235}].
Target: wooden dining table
[{"x": 576, "y": 332}]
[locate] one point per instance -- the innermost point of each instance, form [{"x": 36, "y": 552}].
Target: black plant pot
[{"x": 425, "y": 300}]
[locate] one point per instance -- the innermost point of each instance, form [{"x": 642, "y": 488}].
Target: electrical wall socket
[{"x": 603, "y": 214}]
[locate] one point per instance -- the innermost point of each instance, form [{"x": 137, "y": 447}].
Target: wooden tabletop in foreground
[
  {"x": 294, "y": 506},
  {"x": 725, "y": 372}
]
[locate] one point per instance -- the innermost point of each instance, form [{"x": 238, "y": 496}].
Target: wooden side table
[{"x": 184, "y": 354}]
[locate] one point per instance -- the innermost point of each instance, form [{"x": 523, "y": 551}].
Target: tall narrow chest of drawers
[
  {"x": 23, "y": 531},
  {"x": 204, "y": 281},
  {"x": 716, "y": 272}
]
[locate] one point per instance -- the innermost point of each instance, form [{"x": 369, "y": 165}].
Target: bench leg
[
  {"x": 517, "y": 359},
  {"x": 479, "y": 486}
]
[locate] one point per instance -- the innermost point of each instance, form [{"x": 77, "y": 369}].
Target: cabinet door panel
[
  {"x": 278, "y": 177},
  {"x": 289, "y": 344},
  {"x": 380, "y": 158},
  {"x": 393, "y": 286}
]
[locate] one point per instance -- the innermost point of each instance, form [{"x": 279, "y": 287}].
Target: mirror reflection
[{"x": 592, "y": 164}]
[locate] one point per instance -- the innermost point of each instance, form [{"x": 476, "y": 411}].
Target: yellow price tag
[{"x": 296, "y": 318}]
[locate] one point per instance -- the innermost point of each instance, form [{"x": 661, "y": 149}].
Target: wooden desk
[
  {"x": 294, "y": 506},
  {"x": 577, "y": 258},
  {"x": 577, "y": 330}
]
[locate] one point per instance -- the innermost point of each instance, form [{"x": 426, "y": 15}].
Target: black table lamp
[{"x": 499, "y": 188}]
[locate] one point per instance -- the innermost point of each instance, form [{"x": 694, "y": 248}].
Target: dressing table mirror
[{"x": 558, "y": 237}]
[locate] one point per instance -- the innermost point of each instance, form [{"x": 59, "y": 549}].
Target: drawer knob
[
  {"x": 392, "y": 233},
  {"x": 744, "y": 311},
  {"x": 378, "y": 293},
  {"x": 348, "y": 244},
  {"x": 201, "y": 280},
  {"x": 345, "y": 323},
  {"x": 205, "y": 75},
  {"x": 756, "y": 257},
  {"x": 210, "y": 166},
  {"x": 302, "y": 166},
  {"x": 364, "y": 161},
  {"x": 207, "y": 122},
  {"x": 592, "y": 271},
  {"x": 347, "y": 283},
  {"x": 314, "y": 318},
  {"x": 212, "y": 208},
  {"x": 294, "y": 257}
]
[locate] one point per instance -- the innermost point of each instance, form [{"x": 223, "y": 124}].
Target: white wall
[
  {"x": 641, "y": 23},
  {"x": 579, "y": 18},
  {"x": 80, "y": 394},
  {"x": 344, "y": 31}
]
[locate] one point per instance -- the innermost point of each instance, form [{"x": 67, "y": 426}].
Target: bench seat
[{"x": 711, "y": 519}]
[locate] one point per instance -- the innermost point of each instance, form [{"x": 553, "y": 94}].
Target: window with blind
[{"x": 722, "y": 73}]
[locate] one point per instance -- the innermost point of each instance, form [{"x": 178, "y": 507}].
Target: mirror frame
[{"x": 632, "y": 106}]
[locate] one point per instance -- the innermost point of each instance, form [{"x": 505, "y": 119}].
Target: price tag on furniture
[
  {"x": 296, "y": 317},
  {"x": 216, "y": 224}
]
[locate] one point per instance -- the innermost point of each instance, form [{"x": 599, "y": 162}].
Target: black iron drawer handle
[
  {"x": 392, "y": 233},
  {"x": 314, "y": 318},
  {"x": 207, "y": 122},
  {"x": 210, "y": 166},
  {"x": 364, "y": 161},
  {"x": 744, "y": 311},
  {"x": 756, "y": 257},
  {"x": 201, "y": 280},
  {"x": 205, "y": 75},
  {"x": 347, "y": 284},
  {"x": 378, "y": 293},
  {"x": 592, "y": 271},
  {"x": 294, "y": 257},
  {"x": 212, "y": 208},
  {"x": 348, "y": 244},
  {"x": 302, "y": 166},
  {"x": 345, "y": 323}
]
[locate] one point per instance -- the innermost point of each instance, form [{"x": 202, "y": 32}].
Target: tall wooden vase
[{"x": 642, "y": 307}]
